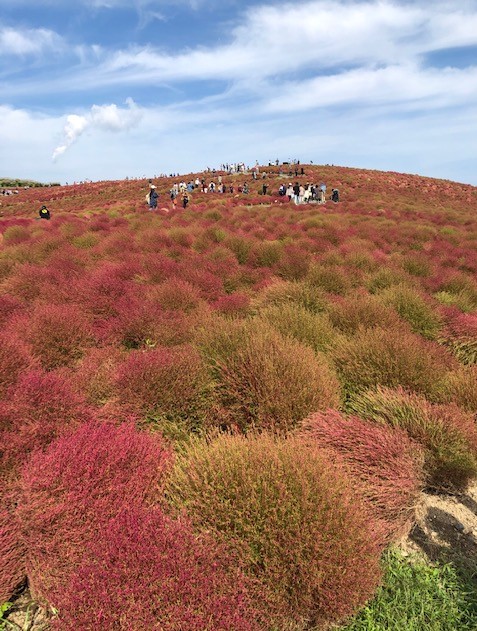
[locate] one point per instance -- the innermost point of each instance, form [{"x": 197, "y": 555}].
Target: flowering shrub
[
  {"x": 386, "y": 465},
  {"x": 147, "y": 571},
  {"x": 71, "y": 491},
  {"x": 292, "y": 517},
  {"x": 447, "y": 434}
]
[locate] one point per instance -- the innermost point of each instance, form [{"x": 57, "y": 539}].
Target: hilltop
[
  {"x": 267, "y": 397},
  {"x": 363, "y": 190}
]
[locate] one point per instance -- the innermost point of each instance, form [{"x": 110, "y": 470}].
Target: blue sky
[{"x": 108, "y": 89}]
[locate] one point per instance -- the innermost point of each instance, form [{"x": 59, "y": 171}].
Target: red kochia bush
[
  {"x": 387, "y": 466},
  {"x": 12, "y": 566},
  {"x": 71, "y": 491},
  {"x": 14, "y": 358},
  {"x": 165, "y": 381},
  {"x": 58, "y": 334},
  {"x": 41, "y": 407},
  {"x": 147, "y": 571}
]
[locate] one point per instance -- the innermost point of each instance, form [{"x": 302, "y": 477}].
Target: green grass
[{"x": 419, "y": 597}]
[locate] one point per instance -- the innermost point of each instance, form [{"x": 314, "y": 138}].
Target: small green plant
[
  {"x": 419, "y": 597},
  {"x": 4, "y": 609},
  {"x": 5, "y": 623}
]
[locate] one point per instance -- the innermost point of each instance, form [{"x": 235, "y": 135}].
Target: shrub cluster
[
  {"x": 386, "y": 465},
  {"x": 291, "y": 516},
  {"x": 264, "y": 380},
  {"x": 447, "y": 434}
]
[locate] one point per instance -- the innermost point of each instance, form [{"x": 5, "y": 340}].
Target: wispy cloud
[
  {"x": 28, "y": 41},
  {"x": 103, "y": 117}
]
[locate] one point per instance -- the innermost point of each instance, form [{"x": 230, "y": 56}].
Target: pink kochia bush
[
  {"x": 147, "y": 571},
  {"x": 14, "y": 359},
  {"x": 386, "y": 465},
  {"x": 446, "y": 433},
  {"x": 12, "y": 565},
  {"x": 166, "y": 382},
  {"x": 40, "y": 407},
  {"x": 70, "y": 492}
]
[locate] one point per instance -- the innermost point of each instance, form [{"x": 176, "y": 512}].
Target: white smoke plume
[{"x": 104, "y": 117}]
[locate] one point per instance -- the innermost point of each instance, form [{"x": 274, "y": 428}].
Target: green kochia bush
[
  {"x": 390, "y": 358},
  {"x": 410, "y": 305},
  {"x": 293, "y": 320},
  {"x": 447, "y": 434},
  {"x": 291, "y": 515},
  {"x": 264, "y": 380}
]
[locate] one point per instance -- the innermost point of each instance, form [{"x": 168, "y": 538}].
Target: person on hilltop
[
  {"x": 44, "y": 213},
  {"x": 153, "y": 197}
]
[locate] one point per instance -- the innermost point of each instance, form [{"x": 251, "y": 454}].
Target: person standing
[
  {"x": 152, "y": 197},
  {"x": 296, "y": 192}
]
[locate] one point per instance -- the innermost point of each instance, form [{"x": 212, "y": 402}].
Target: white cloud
[
  {"x": 273, "y": 40},
  {"x": 28, "y": 41},
  {"x": 407, "y": 87},
  {"x": 102, "y": 117},
  {"x": 334, "y": 81}
]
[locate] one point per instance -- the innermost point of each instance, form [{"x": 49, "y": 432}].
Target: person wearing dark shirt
[{"x": 44, "y": 213}]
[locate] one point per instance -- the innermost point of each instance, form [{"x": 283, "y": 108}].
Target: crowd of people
[
  {"x": 298, "y": 193},
  {"x": 181, "y": 192}
]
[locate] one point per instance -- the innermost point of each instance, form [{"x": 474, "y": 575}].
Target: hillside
[{"x": 266, "y": 395}]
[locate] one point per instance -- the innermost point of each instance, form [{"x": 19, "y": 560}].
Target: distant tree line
[{"x": 16, "y": 183}]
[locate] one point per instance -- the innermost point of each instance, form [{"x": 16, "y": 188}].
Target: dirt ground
[{"x": 445, "y": 529}]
